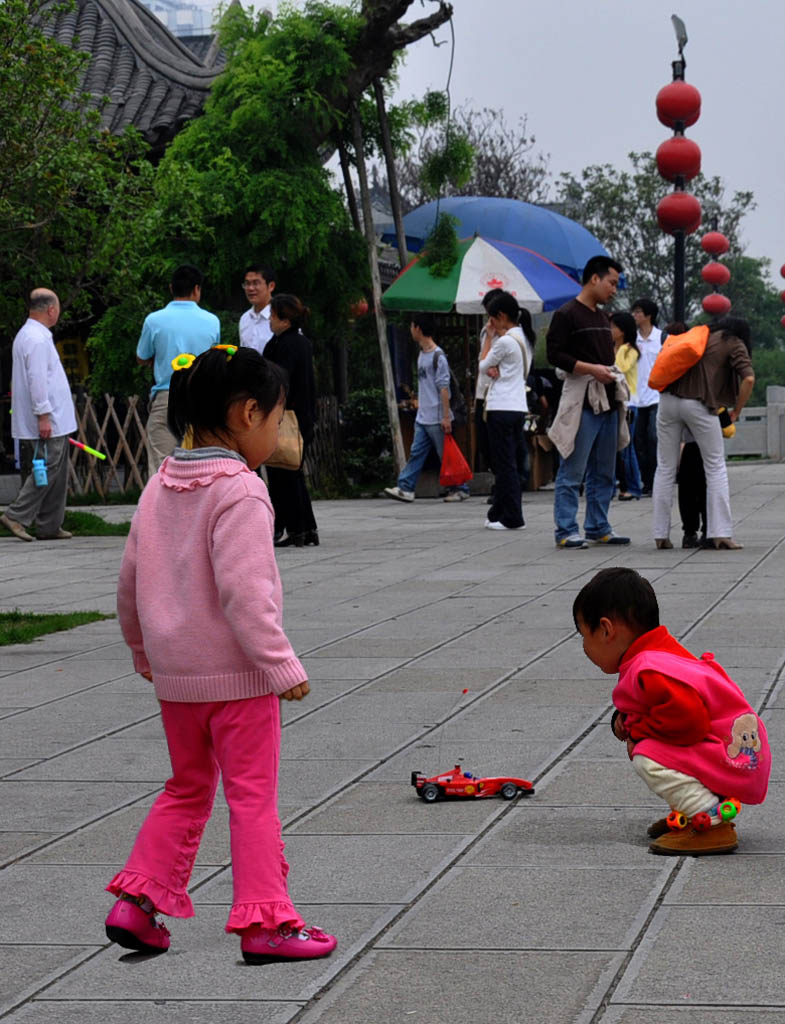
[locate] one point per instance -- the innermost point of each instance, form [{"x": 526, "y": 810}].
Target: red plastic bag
[{"x": 455, "y": 469}]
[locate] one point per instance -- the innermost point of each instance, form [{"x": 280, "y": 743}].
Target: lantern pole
[{"x": 679, "y": 238}]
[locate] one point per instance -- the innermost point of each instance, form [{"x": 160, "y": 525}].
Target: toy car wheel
[
  {"x": 509, "y": 790},
  {"x": 429, "y": 792}
]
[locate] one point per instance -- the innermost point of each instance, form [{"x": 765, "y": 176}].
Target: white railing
[{"x": 760, "y": 430}]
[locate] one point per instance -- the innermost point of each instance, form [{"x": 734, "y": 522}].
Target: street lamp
[{"x": 678, "y": 161}]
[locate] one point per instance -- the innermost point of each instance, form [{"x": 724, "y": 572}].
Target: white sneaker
[
  {"x": 495, "y": 526},
  {"x": 456, "y": 496},
  {"x": 398, "y": 495}
]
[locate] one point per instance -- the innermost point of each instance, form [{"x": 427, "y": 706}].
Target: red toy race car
[{"x": 460, "y": 783}]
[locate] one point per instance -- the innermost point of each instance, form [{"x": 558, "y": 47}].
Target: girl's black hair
[
  {"x": 626, "y": 324},
  {"x": 289, "y": 307},
  {"x": 200, "y": 396},
  {"x": 621, "y": 594},
  {"x": 735, "y": 327},
  {"x": 508, "y": 304}
]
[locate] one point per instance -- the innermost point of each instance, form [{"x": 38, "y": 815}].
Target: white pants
[
  {"x": 681, "y": 792},
  {"x": 674, "y": 415}
]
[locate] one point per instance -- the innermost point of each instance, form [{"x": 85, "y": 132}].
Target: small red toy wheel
[
  {"x": 701, "y": 822},
  {"x": 676, "y": 821},
  {"x": 509, "y": 791}
]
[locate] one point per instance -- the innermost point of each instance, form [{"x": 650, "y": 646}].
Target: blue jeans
[
  {"x": 594, "y": 457},
  {"x": 630, "y": 459},
  {"x": 426, "y": 437}
]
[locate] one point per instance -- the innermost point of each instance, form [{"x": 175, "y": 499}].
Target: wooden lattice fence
[{"x": 116, "y": 427}]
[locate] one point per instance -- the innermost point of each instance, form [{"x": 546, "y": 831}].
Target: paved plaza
[{"x": 544, "y": 909}]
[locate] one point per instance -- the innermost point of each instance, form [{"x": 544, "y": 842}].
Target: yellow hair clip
[
  {"x": 230, "y": 350},
  {"x": 183, "y": 361}
]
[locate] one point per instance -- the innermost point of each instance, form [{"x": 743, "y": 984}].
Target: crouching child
[{"x": 691, "y": 734}]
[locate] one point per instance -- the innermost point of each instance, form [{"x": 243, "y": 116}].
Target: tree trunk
[
  {"x": 351, "y": 198},
  {"x": 381, "y": 320},
  {"x": 392, "y": 178}
]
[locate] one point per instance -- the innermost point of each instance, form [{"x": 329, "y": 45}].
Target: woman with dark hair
[
  {"x": 507, "y": 364},
  {"x": 624, "y": 331},
  {"x": 723, "y": 376},
  {"x": 290, "y": 349}
]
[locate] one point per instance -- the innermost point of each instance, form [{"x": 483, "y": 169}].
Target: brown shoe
[
  {"x": 60, "y": 535},
  {"x": 687, "y": 842},
  {"x": 658, "y": 828},
  {"x": 16, "y": 528}
]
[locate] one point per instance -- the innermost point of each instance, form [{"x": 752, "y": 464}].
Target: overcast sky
[{"x": 586, "y": 73}]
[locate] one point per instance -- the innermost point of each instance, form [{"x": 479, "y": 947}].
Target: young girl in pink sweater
[{"x": 199, "y": 603}]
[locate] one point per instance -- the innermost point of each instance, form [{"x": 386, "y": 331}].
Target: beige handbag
[{"x": 289, "y": 453}]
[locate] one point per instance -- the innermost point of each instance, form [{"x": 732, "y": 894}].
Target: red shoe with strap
[
  {"x": 274, "y": 945},
  {"x": 133, "y": 928}
]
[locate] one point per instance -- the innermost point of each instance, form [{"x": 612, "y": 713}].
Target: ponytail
[
  {"x": 202, "y": 389},
  {"x": 508, "y": 304}
]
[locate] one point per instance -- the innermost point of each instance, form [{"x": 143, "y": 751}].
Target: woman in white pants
[{"x": 722, "y": 377}]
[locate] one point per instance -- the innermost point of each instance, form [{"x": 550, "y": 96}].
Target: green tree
[
  {"x": 620, "y": 208},
  {"x": 481, "y": 155},
  {"x": 67, "y": 189}
]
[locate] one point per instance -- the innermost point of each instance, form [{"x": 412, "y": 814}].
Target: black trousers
[
  {"x": 508, "y": 454},
  {"x": 691, "y": 479},
  {"x": 291, "y": 501},
  {"x": 645, "y": 442}
]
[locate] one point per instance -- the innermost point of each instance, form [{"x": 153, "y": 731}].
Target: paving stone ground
[{"x": 546, "y": 909}]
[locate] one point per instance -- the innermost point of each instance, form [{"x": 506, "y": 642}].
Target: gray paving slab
[
  {"x": 559, "y": 908},
  {"x": 467, "y": 910},
  {"x": 719, "y": 969},
  {"x": 435, "y": 987},
  {"x": 167, "y": 1011}
]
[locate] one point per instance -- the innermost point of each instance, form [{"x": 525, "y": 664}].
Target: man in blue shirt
[
  {"x": 181, "y": 326},
  {"x": 434, "y": 416}
]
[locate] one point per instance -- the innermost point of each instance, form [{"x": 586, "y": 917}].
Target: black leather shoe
[
  {"x": 690, "y": 540},
  {"x": 296, "y": 540},
  {"x": 312, "y": 537}
]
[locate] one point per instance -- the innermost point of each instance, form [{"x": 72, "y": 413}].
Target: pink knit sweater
[{"x": 199, "y": 596}]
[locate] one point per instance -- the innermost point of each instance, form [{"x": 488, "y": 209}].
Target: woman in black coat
[{"x": 290, "y": 348}]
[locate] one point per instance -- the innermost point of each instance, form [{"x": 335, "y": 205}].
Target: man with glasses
[{"x": 258, "y": 285}]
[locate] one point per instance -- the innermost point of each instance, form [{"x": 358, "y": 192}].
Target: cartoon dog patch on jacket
[{"x": 745, "y": 739}]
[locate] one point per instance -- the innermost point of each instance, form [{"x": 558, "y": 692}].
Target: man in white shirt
[
  {"x": 258, "y": 285},
  {"x": 647, "y": 400},
  {"x": 42, "y": 418}
]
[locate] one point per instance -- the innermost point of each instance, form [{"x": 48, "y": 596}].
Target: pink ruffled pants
[{"x": 239, "y": 739}]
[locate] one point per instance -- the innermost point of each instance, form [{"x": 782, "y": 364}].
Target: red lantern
[
  {"x": 782, "y": 296},
  {"x": 716, "y": 304},
  {"x": 678, "y": 157},
  {"x": 783, "y": 321},
  {"x": 782, "y": 270},
  {"x": 679, "y": 211},
  {"x": 678, "y": 101},
  {"x": 716, "y": 274},
  {"x": 715, "y": 244},
  {"x": 359, "y": 308}
]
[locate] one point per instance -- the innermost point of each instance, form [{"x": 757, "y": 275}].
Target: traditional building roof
[{"x": 151, "y": 79}]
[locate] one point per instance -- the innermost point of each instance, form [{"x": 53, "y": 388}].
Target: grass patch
[
  {"x": 129, "y": 497},
  {"x": 23, "y": 627},
  {"x": 87, "y": 524}
]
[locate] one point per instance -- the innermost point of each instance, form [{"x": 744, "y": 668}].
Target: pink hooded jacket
[{"x": 733, "y": 759}]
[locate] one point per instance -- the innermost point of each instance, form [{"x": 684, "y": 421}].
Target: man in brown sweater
[{"x": 579, "y": 342}]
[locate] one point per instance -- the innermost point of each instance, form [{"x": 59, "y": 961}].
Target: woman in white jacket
[{"x": 507, "y": 364}]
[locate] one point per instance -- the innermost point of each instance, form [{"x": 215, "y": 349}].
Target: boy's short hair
[
  {"x": 621, "y": 594},
  {"x": 425, "y": 322},
  {"x": 648, "y": 307}
]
